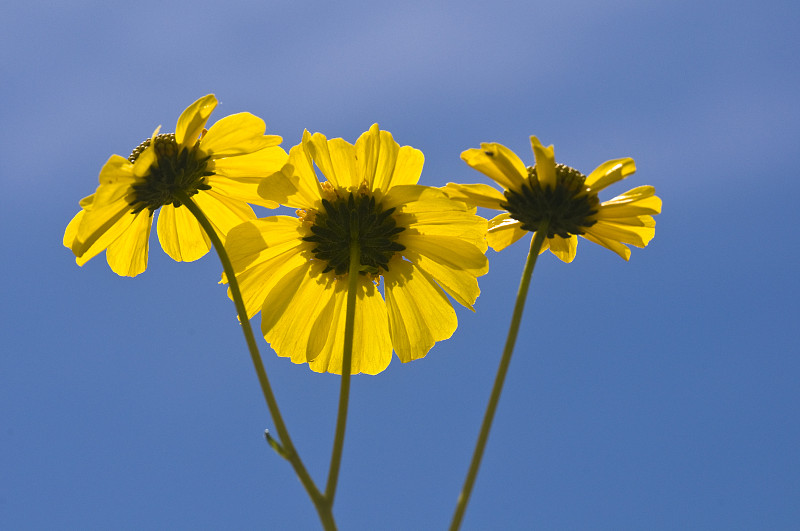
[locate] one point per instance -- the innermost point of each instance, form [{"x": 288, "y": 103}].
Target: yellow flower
[
  {"x": 560, "y": 196},
  {"x": 220, "y": 167},
  {"x": 422, "y": 244}
]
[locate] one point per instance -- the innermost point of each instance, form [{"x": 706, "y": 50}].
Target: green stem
[
  {"x": 323, "y": 508},
  {"x": 347, "y": 358},
  {"x": 516, "y": 319}
]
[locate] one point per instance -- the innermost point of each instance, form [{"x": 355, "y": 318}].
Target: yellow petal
[
  {"x": 193, "y": 119},
  {"x": 413, "y": 198},
  {"x": 503, "y": 231},
  {"x": 610, "y": 172},
  {"x": 237, "y": 134},
  {"x": 303, "y": 189},
  {"x": 465, "y": 226},
  {"x": 261, "y": 163},
  {"x": 368, "y": 151},
  {"x": 127, "y": 255},
  {"x": 498, "y": 163},
  {"x": 263, "y": 239},
  {"x": 408, "y": 166},
  {"x": 452, "y": 252},
  {"x": 617, "y": 247},
  {"x": 426, "y": 210},
  {"x": 636, "y": 231},
  {"x": 223, "y": 213},
  {"x": 117, "y": 170},
  {"x": 461, "y": 285},
  {"x": 372, "y": 346},
  {"x": 385, "y": 160},
  {"x": 145, "y": 160},
  {"x": 293, "y": 304},
  {"x": 102, "y": 238},
  {"x": 180, "y": 234},
  {"x": 419, "y": 312},
  {"x": 454, "y": 264},
  {"x": 259, "y": 278},
  {"x": 564, "y": 248},
  {"x": 636, "y": 202},
  {"x": 72, "y": 229},
  {"x": 481, "y": 195},
  {"x": 545, "y": 163},
  {"x": 105, "y": 221},
  {"x": 336, "y": 159},
  {"x": 243, "y": 189}
]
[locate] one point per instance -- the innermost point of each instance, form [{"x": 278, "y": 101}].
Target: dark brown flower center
[
  {"x": 176, "y": 170},
  {"x": 568, "y": 208},
  {"x": 355, "y": 218}
]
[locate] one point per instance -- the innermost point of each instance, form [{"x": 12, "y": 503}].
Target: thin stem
[
  {"x": 516, "y": 318},
  {"x": 347, "y": 358},
  {"x": 291, "y": 454}
]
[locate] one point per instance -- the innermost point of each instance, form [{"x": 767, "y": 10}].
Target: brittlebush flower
[
  {"x": 560, "y": 196},
  {"x": 421, "y": 244},
  {"x": 220, "y": 168}
]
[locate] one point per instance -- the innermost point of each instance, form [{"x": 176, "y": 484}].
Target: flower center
[
  {"x": 568, "y": 208},
  {"x": 356, "y": 218},
  {"x": 176, "y": 170}
]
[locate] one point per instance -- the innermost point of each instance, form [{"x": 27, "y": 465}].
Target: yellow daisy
[
  {"x": 220, "y": 167},
  {"x": 560, "y": 196},
  {"x": 423, "y": 245}
]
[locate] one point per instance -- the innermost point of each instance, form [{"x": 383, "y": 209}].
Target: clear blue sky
[{"x": 661, "y": 393}]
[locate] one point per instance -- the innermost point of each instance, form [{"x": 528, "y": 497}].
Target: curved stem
[
  {"x": 347, "y": 358},
  {"x": 516, "y": 319},
  {"x": 323, "y": 508}
]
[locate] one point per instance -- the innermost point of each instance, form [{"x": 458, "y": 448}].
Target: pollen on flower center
[
  {"x": 355, "y": 218},
  {"x": 568, "y": 208},
  {"x": 176, "y": 170}
]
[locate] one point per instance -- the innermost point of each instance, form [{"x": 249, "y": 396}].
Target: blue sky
[{"x": 659, "y": 393}]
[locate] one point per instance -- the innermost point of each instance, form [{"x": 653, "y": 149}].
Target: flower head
[
  {"x": 416, "y": 244},
  {"x": 220, "y": 168},
  {"x": 559, "y": 198}
]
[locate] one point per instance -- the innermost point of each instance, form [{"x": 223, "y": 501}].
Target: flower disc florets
[
  {"x": 568, "y": 208},
  {"x": 355, "y": 218},
  {"x": 177, "y": 169}
]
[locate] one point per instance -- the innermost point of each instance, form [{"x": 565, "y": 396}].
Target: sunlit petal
[
  {"x": 193, "y": 119},
  {"x": 180, "y": 234},
  {"x": 481, "y": 195}
]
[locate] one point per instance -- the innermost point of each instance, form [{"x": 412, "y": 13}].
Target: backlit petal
[
  {"x": 336, "y": 159},
  {"x": 564, "y": 248},
  {"x": 503, "y": 231},
  {"x": 636, "y": 202},
  {"x": 419, "y": 312},
  {"x": 193, "y": 119},
  {"x": 293, "y": 304},
  {"x": 481, "y": 195},
  {"x": 104, "y": 222},
  {"x": 303, "y": 189},
  {"x": 610, "y": 172},
  {"x": 180, "y": 234},
  {"x": 372, "y": 346},
  {"x": 545, "y": 163},
  {"x": 612, "y": 245},
  {"x": 127, "y": 255},
  {"x": 637, "y": 231},
  {"x": 103, "y": 237},
  {"x": 237, "y": 134},
  {"x": 223, "y": 212},
  {"x": 368, "y": 152},
  {"x": 498, "y": 163}
]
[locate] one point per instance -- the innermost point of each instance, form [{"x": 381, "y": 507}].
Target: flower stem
[
  {"x": 347, "y": 359},
  {"x": 516, "y": 318},
  {"x": 323, "y": 508}
]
